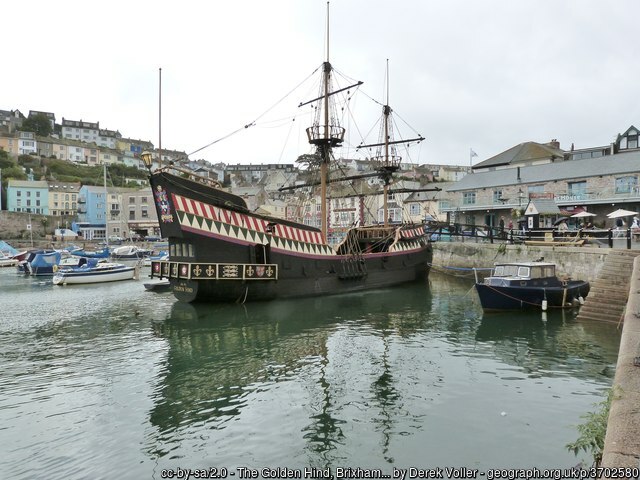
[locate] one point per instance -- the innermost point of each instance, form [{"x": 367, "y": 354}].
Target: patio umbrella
[
  {"x": 621, "y": 213},
  {"x": 583, "y": 214},
  {"x": 560, "y": 220}
]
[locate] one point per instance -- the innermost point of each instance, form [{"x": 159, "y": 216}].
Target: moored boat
[
  {"x": 6, "y": 261},
  {"x": 103, "y": 253},
  {"x": 93, "y": 270},
  {"x": 130, "y": 252},
  {"x": 40, "y": 262},
  {"x": 158, "y": 286},
  {"x": 529, "y": 285}
]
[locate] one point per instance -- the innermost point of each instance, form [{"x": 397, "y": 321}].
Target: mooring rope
[{"x": 523, "y": 301}]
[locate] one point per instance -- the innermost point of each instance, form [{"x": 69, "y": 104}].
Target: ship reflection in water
[
  {"x": 132, "y": 382},
  {"x": 414, "y": 375}
]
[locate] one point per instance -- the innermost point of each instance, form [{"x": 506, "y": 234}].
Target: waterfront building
[
  {"x": 142, "y": 219},
  {"x": 428, "y": 206},
  {"x": 598, "y": 179},
  {"x": 91, "y": 222},
  {"x": 28, "y": 196},
  {"x": 63, "y": 198}
]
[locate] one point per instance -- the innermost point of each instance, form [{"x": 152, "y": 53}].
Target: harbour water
[{"x": 111, "y": 381}]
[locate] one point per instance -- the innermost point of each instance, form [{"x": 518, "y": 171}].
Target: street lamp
[{"x": 147, "y": 159}]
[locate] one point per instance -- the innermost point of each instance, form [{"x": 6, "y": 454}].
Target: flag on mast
[{"x": 471, "y": 155}]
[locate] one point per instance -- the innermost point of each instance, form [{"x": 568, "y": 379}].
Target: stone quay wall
[
  {"x": 580, "y": 263},
  {"x": 622, "y": 443}
]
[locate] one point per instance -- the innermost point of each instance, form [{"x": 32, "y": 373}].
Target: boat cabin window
[
  {"x": 524, "y": 271},
  {"x": 543, "y": 271},
  {"x": 505, "y": 271}
]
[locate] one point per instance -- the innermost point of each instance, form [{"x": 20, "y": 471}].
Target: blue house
[{"x": 91, "y": 222}]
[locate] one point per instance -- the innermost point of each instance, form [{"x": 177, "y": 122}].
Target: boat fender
[
  {"x": 544, "y": 305},
  {"x": 55, "y": 268},
  {"x": 564, "y": 283},
  {"x": 581, "y": 300}
]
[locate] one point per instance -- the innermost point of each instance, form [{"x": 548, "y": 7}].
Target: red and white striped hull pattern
[
  {"x": 207, "y": 219},
  {"x": 199, "y": 217}
]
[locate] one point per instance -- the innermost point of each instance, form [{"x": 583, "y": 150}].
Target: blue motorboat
[
  {"x": 529, "y": 285},
  {"x": 40, "y": 262}
]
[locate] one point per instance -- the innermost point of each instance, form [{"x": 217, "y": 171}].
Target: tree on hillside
[
  {"x": 5, "y": 160},
  {"x": 39, "y": 124}
]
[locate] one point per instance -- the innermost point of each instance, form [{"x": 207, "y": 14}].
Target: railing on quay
[{"x": 611, "y": 238}]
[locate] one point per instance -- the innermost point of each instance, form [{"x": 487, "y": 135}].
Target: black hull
[
  {"x": 530, "y": 298},
  {"x": 220, "y": 252}
]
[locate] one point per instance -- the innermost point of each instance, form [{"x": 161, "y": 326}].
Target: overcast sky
[{"x": 481, "y": 75}]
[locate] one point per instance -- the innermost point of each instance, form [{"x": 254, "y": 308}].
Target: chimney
[{"x": 554, "y": 143}]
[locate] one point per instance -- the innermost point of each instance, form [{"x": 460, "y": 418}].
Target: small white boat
[
  {"x": 6, "y": 261},
  {"x": 129, "y": 252},
  {"x": 93, "y": 271},
  {"x": 158, "y": 286}
]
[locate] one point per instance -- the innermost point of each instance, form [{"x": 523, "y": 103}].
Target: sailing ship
[{"x": 221, "y": 251}]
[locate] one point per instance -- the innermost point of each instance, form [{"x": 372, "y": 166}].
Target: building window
[
  {"x": 469, "y": 198},
  {"x": 132, "y": 214},
  {"x": 626, "y": 184},
  {"x": 579, "y": 189},
  {"x": 132, "y": 199},
  {"x": 535, "y": 189},
  {"x": 414, "y": 209},
  {"x": 144, "y": 213},
  {"x": 497, "y": 196}
]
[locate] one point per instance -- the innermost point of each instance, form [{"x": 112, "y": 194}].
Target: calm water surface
[{"x": 111, "y": 381}]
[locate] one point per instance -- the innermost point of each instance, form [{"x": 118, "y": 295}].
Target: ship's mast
[
  {"x": 386, "y": 112},
  {"x": 387, "y": 161},
  {"x": 326, "y": 136},
  {"x": 326, "y": 151}
]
